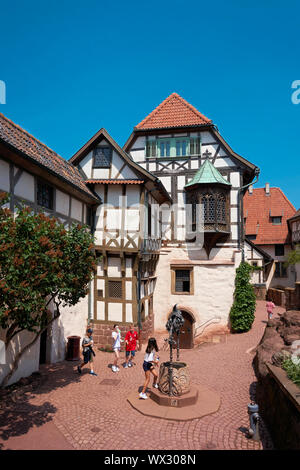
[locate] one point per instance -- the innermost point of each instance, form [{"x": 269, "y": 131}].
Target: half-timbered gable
[{"x": 127, "y": 230}]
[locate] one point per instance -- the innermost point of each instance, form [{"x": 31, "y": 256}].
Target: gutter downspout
[
  {"x": 240, "y": 206},
  {"x": 93, "y": 228}
]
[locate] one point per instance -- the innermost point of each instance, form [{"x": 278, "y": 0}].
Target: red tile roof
[
  {"x": 21, "y": 140},
  {"x": 111, "y": 181},
  {"x": 174, "y": 111},
  {"x": 257, "y": 209}
]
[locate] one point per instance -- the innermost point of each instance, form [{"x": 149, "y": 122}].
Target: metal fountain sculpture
[{"x": 176, "y": 381}]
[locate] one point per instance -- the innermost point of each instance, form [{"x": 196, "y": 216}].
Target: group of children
[{"x": 151, "y": 359}]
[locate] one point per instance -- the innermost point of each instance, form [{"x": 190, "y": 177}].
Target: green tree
[
  {"x": 40, "y": 263},
  {"x": 294, "y": 256},
  {"x": 243, "y": 308}
]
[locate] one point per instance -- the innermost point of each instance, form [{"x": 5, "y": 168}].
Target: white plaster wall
[
  {"x": 28, "y": 364},
  {"x": 129, "y": 317},
  {"x": 115, "y": 311},
  {"x": 114, "y": 267},
  {"x": 72, "y": 321},
  {"x": 117, "y": 164},
  {"x": 25, "y": 186},
  {"x": 4, "y": 175},
  {"x": 76, "y": 209},
  {"x": 86, "y": 164},
  {"x": 62, "y": 202},
  {"x": 213, "y": 287}
]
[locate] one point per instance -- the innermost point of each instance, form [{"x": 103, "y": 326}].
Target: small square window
[
  {"x": 279, "y": 250},
  {"x": 45, "y": 195},
  {"x": 102, "y": 157},
  {"x": 276, "y": 220},
  {"x": 115, "y": 290},
  {"x": 182, "y": 280}
]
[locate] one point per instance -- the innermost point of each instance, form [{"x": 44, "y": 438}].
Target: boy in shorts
[
  {"x": 131, "y": 340},
  {"x": 87, "y": 350}
]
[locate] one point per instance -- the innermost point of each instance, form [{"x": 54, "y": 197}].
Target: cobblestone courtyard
[{"x": 69, "y": 411}]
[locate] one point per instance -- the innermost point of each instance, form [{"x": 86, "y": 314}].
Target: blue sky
[{"x": 73, "y": 67}]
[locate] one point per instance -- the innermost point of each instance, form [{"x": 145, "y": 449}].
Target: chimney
[
  {"x": 251, "y": 189},
  {"x": 267, "y": 189}
]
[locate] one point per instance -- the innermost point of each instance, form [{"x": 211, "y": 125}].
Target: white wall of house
[
  {"x": 73, "y": 320},
  {"x": 288, "y": 281},
  {"x": 213, "y": 288},
  {"x": 28, "y": 364}
]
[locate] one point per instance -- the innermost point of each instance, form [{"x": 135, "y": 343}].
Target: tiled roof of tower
[
  {"x": 21, "y": 140},
  {"x": 207, "y": 174},
  {"x": 258, "y": 210},
  {"x": 174, "y": 111}
]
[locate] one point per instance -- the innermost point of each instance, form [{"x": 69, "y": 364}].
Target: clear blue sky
[{"x": 72, "y": 67}]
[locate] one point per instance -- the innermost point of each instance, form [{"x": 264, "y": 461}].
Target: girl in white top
[
  {"x": 149, "y": 362},
  {"x": 116, "y": 335}
]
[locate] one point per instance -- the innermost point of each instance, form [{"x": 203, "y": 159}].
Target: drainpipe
[
  {"x": 241, "y": 214},
  {"x": 93, "y": 227},
  {"x": 138, "y": 298}
]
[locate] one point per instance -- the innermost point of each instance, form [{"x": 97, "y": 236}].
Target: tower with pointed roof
[{"x": 201, "y": 231}]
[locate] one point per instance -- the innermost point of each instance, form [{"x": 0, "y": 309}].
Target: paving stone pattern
[{"x": 89, "y": 412}]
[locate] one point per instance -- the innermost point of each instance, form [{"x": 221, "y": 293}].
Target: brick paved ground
[{"x": 79, "y": 412}]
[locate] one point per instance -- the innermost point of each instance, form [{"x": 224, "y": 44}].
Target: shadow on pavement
[{"x": 17, "y": 414}]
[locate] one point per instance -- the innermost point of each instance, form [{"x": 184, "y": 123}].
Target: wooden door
[{"x": 186, "y": 335}]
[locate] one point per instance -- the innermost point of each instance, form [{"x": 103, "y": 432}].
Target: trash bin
[{"x": 73, "y": 348}]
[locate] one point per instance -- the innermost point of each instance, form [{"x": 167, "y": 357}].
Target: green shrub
[
  {"x": 243, "y": 308},
  {"x": 292, "y": 370}
]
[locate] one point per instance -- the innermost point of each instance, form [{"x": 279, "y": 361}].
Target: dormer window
[{"x": 276, "y": 220}]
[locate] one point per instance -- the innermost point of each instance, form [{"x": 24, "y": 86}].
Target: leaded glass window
[
  {"x": 182, "y": 280},
  {"x": 208, "y": 202},
  {"x": 102, "y": 157},
  {"x": 221, "y": 208},
  {"x": 115, "y": 290}
]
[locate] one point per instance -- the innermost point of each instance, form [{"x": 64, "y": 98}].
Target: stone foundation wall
[
  {"x": 102, "y": 333},
  {"x": 276, "y": 395}
]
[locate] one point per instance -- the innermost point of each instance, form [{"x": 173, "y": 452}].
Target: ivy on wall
[{"x": 243, "y": 308}]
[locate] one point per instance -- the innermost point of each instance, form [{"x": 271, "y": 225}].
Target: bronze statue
[{"x": 173, "y": 325}]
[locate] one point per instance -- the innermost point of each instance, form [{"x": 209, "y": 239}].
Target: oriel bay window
[
  {"x": 211, "y": 207},
  {"x": 173, "y": 147},
  {"x": 182, "y": 280}
]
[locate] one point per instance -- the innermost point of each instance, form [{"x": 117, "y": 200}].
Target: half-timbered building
[
  {"x": 202, "y": 175},
  {"x": 37, "y": 176},
  {"x": 127, "y": 230}
]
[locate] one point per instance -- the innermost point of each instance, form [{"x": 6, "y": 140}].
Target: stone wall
[
  {"x": 276, "y": 395},
  {"x": 102, "y": 333},
  {"x": 288, "y": 297}
]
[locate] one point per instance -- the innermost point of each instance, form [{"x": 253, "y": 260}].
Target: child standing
[
  {"x": 116, "y": 335},
  {"x": 131, "y": 340},
  {"x": 87, "y": 350},
  {"x": 148, "y": 366},
  {"x": 270, "y": 306}
]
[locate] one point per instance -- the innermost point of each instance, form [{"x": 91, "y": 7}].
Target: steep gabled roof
[
  {"x": 258, "y": 210},
  {"x": 32, "y": 149},
  {"x": 174, "y": 111},
  {"x": 207, "y": 174},
  {"x": 141, "y": 172}
]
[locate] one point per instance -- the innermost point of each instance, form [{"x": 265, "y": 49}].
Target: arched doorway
[{"x": 186, "y": 338}]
